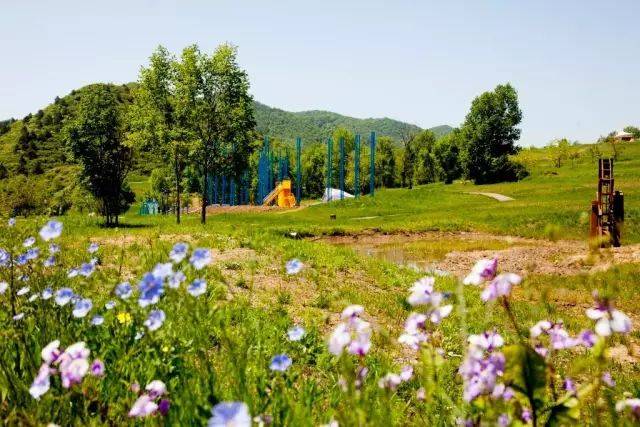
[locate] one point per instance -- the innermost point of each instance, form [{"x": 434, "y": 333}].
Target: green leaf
[{"x": 525, "y": 371}]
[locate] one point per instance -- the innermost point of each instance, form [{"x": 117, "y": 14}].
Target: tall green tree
[
  {"x": 214, "y": 106},
  {"x": 490, "y": 130},
  {"x": 425, "y": 165},
  {"x": 448, "y": 154},
  {"x": 96, "y": 137},
  {"x": 154, "y": 117},
  {"x": 385, "y": 162}
]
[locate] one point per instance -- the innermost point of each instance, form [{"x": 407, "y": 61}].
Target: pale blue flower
[
  {"x": 109, "y": 305},
  {"x": 32, "y": 253},
  {"x": 18, "y": 316},
  {"x": 63, "y": 296},
  {"x": 280, "y": 363},
  {"x": 200, "y": 258},
  {"x": 97, "y": 320},
  {"x": 11, "y": 222},
  {"x": 197, "y": 287},
  {"x": 22, "y": 259},
  {"x": 230, "y": 414},
  {"x": 51, "y": 230},
  {"x": 73, "y": 273},
  {"x": 23, "y": 278},
  {"x": 29, "y": 241},
  {"x": 155, "y": 320},
  {"x": 54, "y": 248},
  {"x": 82, "y": 307},
  {"x": 3, "y": 287},
  {"x": 49, "y": 262},
  {"x": 296, "y": 333},
  {"x": 294, "y": 266},
  {"x": 179, "y": 252},
  {"x": 47, "y": 293},
  {"x": 23, "y": 291},
  {"x": 176, "y": 279},
  {"x": 163, "y": 270},
  {"x": 139, "y": 335},
  {"x": 123, "y": 290},
  {"x": 151, "y": 288},
  {"x": 33, "y": 297},
  {"x": 93, "y": 248},
  {"x": 4, "y": 258},
  {"x": 87, "y": 269}
]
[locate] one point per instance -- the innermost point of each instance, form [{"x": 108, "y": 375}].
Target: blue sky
[{"x": 575, "y": 64}]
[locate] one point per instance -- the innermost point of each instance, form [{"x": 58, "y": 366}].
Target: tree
[
  {"x": 633, "y": 131},
  {"x": 447, "y": 152},
  {"x": 214, "y": 106},
  {"x": 490, "y": 133},
  {"x": 161, "y": 185},
  {"x": 96, "y": 138},
  {"x": 154, "y": 118},
  {"x": 560, "y": 151},
  {"x": 385, "y": 162},
  {"x": 313, "y": 170},
  {"x": 425, "y": 167}
]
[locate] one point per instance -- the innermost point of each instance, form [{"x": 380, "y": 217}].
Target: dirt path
[{"x": 498, "y": 197}]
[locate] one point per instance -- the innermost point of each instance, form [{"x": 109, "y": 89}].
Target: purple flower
[
  {"x": 608, "y": 380},
  {"x": 97, "y": 368},
  {"x": 415, "y": 332},
  {"x": 200, "y": 258},
  {"x": 390, "y": 381},
  {"x": 587, "y": 338},
  {"x": 608, "y": 319},
  {"x": 163, "y": 407},
  {"x": 294, "y": 266},
  {"x": 143, "y": 407},
  {"x": 503, "y": 420},
  {"x": 73, "y": 371},
  {"x": 51, "y": 352},
  {"x": 49, "y": 262},
  {"x": 568, "y": 385},
  {"x": 11, "y": 222},
  {"x": 63, "y": 296},
  {"x": 354, "y": 334},
  {"x": 485, "y": 269},
  {"x": 352, "y": 311},
  {"x": 197, "y": 287},
  {"x": 230, "y": 414},
  {"x": 54, "y": 248},
  {"x": 87, "y": 269},
  {"x": 633, "y": 404},
  {"x": 82, "y": 307},
  {"x": 179, "y": 252},
  {"x": 51, "y": 230},
  {"x": 41, "y": 383},
  {"x": 151, "y": 288},
  {"x": 488, "y": 341},
  {"x": 123, "y": 290},
  {"x": 296, "y": 333},
  {"x": 29, "y": 241},
  {"x": 176, "y": 279},
  {"x": 18, "y": 316},
  {"x": 483, "y": 366},
  {"x": 155, "y": 320},
  {"x": 156, "y": 388},
  {"x": 93, "y": 248},
  {"x": 280, "y": 363},
  {"x": 500, "y": 286},
  {"x": 526, "y": 415}
]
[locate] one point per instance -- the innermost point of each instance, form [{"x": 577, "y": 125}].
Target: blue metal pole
[
  {"x": 298, "y": 171},
  {"x": 372, "y": 166},
  {"x": 356, "y": 172},
  {"x": 329, "y": 168}
]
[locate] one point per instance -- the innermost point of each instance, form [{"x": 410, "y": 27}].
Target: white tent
[{"x": 331, "y": 194}]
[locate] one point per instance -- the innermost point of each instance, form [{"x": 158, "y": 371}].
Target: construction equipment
[
  {"x": 281, "y": 195},
  {"x": 607, "y": 211}
]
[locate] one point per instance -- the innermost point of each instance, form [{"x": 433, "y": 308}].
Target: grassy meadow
[{"x": 218, "y": 346}]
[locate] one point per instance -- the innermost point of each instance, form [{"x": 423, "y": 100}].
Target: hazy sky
[{"x": 575, "y": 64}]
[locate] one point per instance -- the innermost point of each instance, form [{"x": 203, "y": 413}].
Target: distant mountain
[{"x": 318, "y": 125}]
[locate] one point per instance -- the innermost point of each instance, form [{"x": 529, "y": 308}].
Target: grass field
[{"x": 218, "y": 347}]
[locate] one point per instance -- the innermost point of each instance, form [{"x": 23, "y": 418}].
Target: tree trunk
[
  {"x": 203, "y": 210},
  {"x": 177, "y": 175}
]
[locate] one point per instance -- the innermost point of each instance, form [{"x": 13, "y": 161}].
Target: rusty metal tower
[{"x": 607, "y": 211}]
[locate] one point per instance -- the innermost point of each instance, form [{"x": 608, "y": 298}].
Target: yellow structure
[{"x": 282, "y": 195}]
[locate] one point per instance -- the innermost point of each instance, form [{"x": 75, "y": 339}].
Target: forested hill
[{"x": 317, "y": 125}]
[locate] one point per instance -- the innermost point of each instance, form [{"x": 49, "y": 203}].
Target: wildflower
[
  {"x": 633, "y": 404},
  {"x": 485, "y": 269},
  {"x": 143, "y": 407},
  {"x": 197, "y": 287},
  {"x": 51, "y": 352},
  {"x": 176, "y": 279},
  {"x": 18, "y": 316},
  {"x": 200, "y": 258},
  {"x": 51, "y": 230},
  {"x": 415, "y": 331},
  {"x": 482, "y": 366},
  {"x": 109, "y": 305},
  {"x": 63, "y": 296},
  {"x": 124, "y": 318},
  {"x": 162, "y": 271},
  {"x": 422, "y": 292},
  {"x": 280, "y": 363},
  {"x": 503, "y": 420},
  {"x": 156, "y": 388},
  {"x": 138, "y": 336},
  {"x": 49, "y": 262},
  {"x": 390, "y": 381},
  {"x": 123, "y": 290},
  {"x": 87, "y": 269},
  {"x": 608, "y": 319},
  {"x": 93, "y": 248},
  {"x": 41, "y": 383},
  {"x": 488, "y": 341},
  {"x": 32, "y": 253},
  {"x": 421, "y": 394},
  {"x": 82, "y": 307},
  {"x": 500, "y": 286},
  {"x": 33, "y": 297},
  {"x": 526, "y": 415},
  {"x": 11, "y": 222},
  {"x": 3, "y": 287},
  {"x": 406, "y": 373},
  {"x": 352, "y": 311},
  {"x": 150, "y": 288},
  {"x": 296, "y": 333},
  {"x": 54, "y": 248},
  {"x": 179, "y": 252},
  {"x": 163, "y": 407},
  {"x": 73, "y": 370},
  {"x": 587, "y": 338},
  {"x": 568, "y": 385},
  {"x": 47, "y": 293},
  {"x": 155, "y": 319},
  {"x": 22, "y": 259},
  {"x": 294, "y": 266},
  {"x": 542, "y": 327},
  {"x": 97, "y": 320},
  {"x": 354, "y": 334},
  {"x": 230, "y": 414},
  {"x": 4, "y": 258},
  {"x": 97, "y": 368},
  {"x": 22, "y": 291},
  {"x": 29, "y": 241},
  {"x": 608, "y": 380}
]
